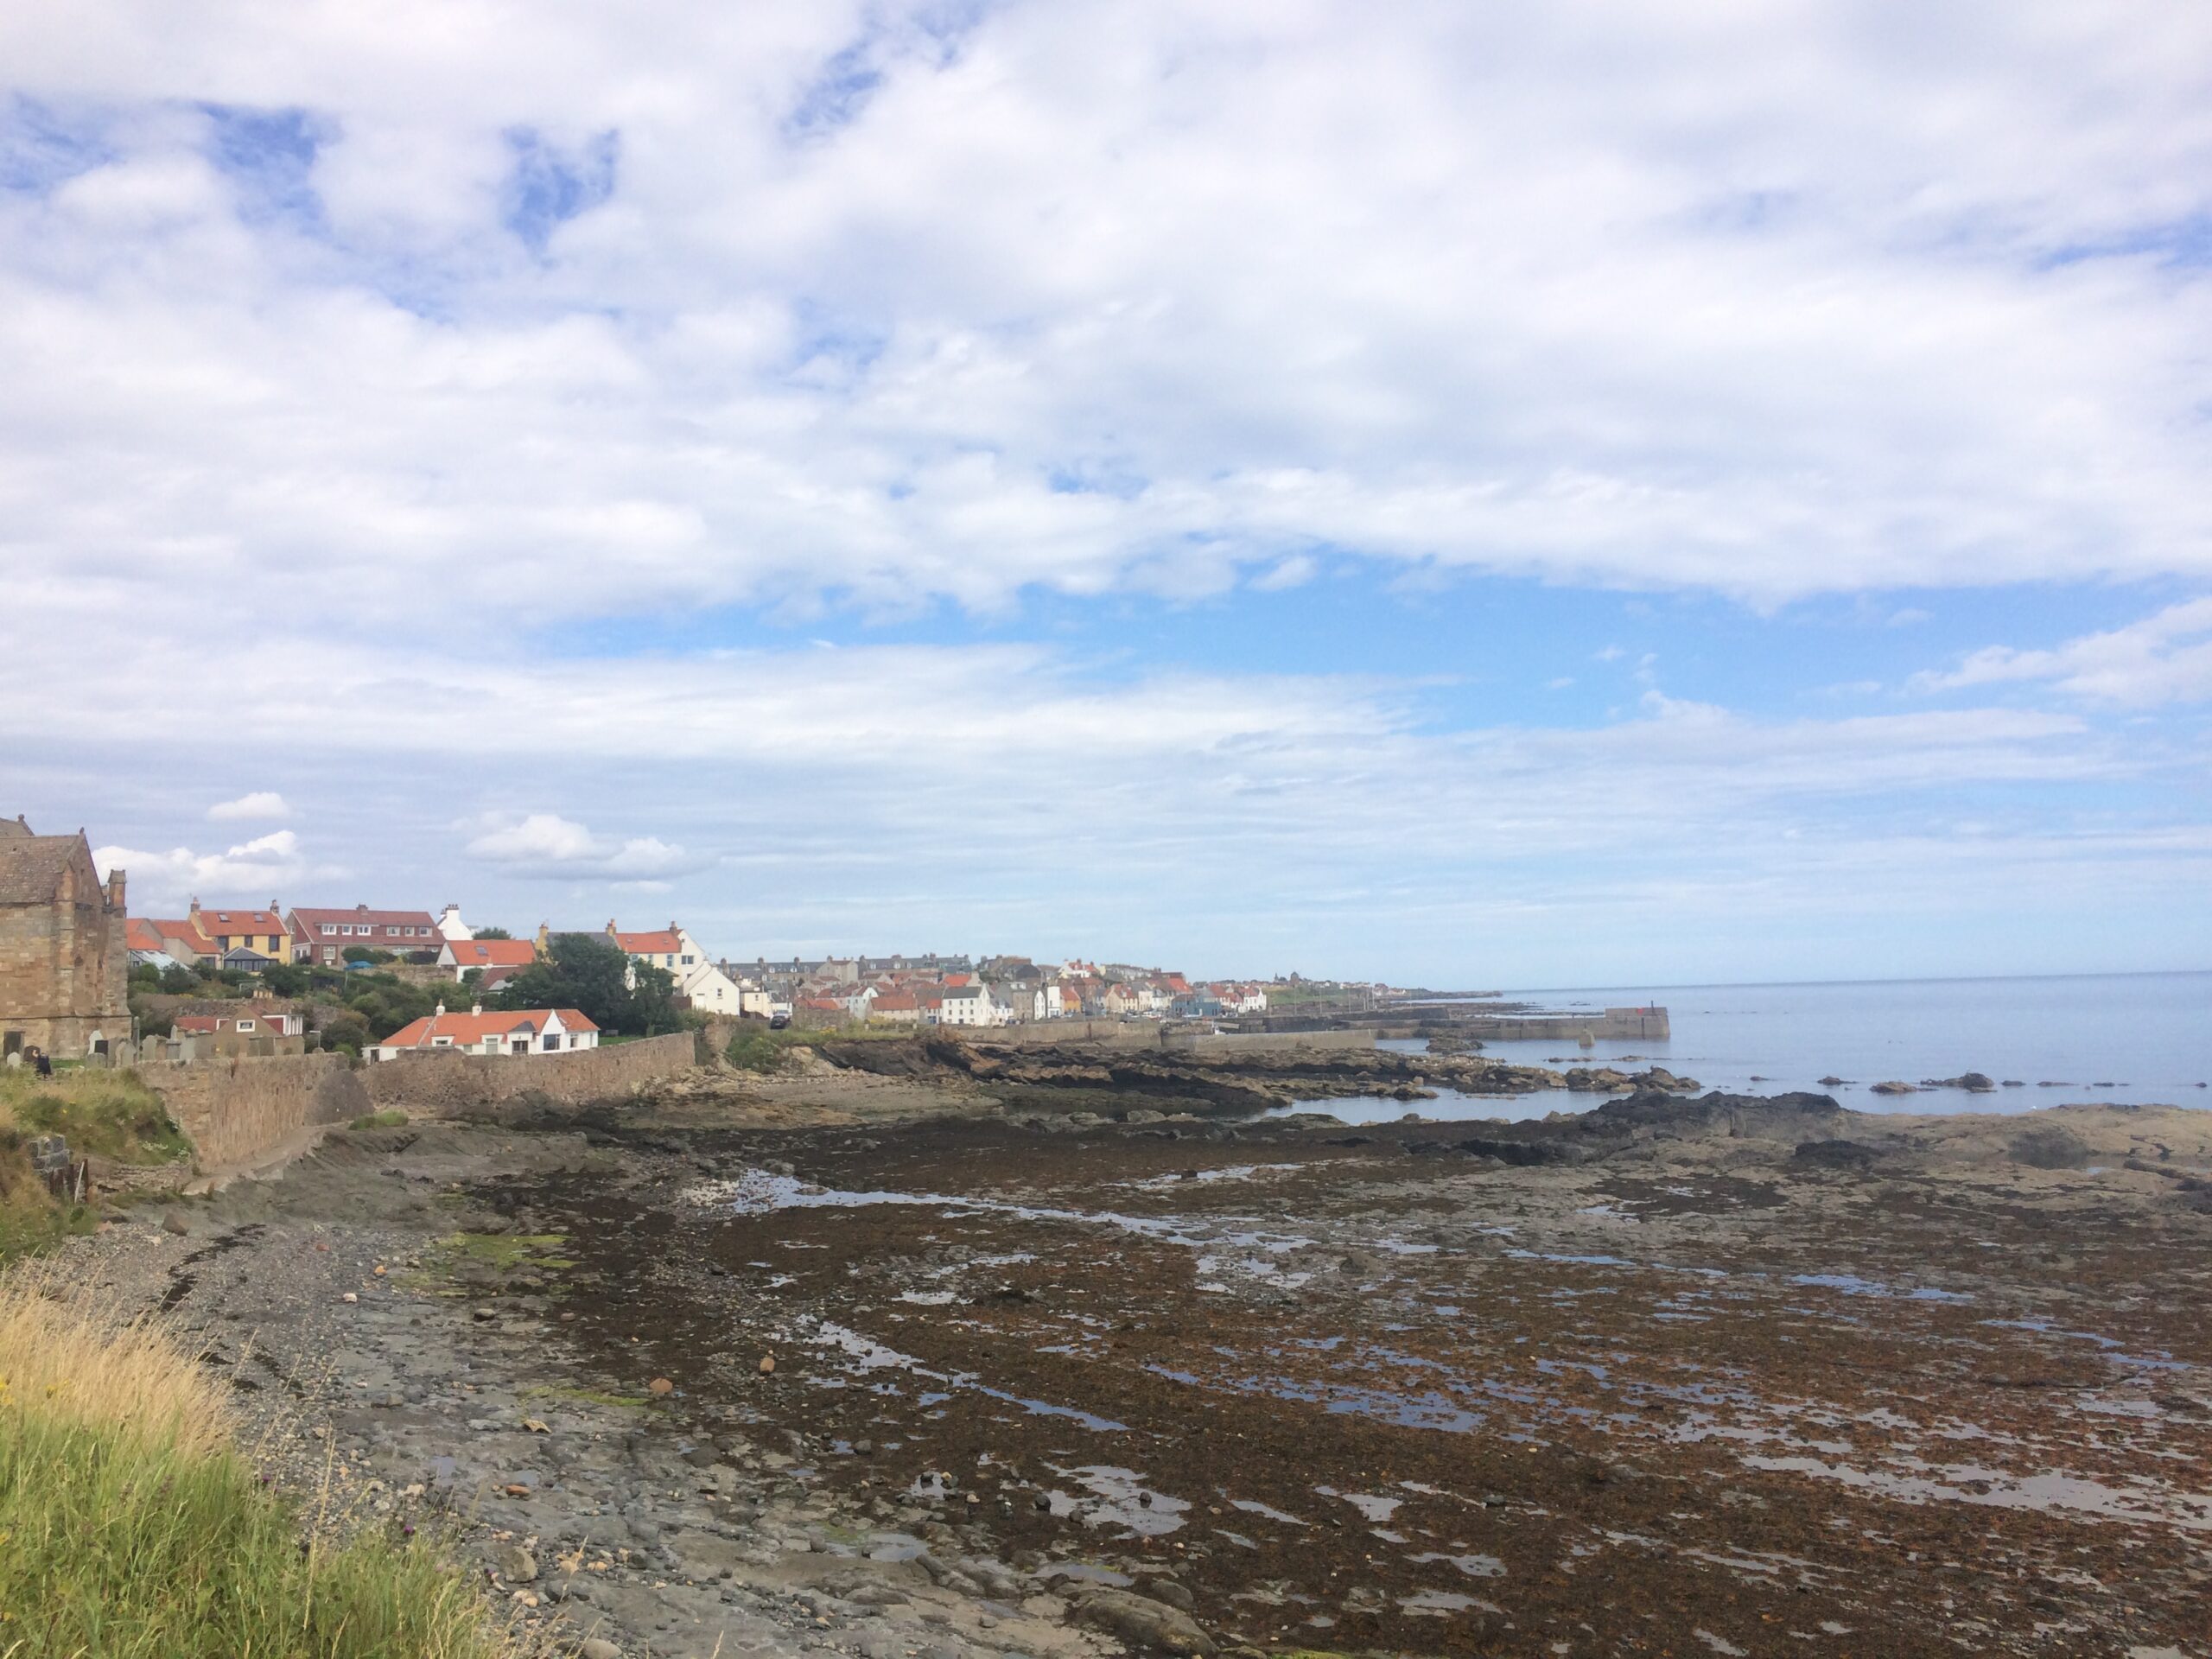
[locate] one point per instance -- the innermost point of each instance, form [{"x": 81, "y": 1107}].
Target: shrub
[
  {"x": 386, "y": 1120},
  {"x": 756, "y": 1048}
]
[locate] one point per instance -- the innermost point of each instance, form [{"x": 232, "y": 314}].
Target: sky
[{"x": 1467, "y": 496}]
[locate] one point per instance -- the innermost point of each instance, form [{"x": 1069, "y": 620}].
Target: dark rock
[
  {"x": 1833, "y": 1155},
  {"x": 2051, "y": 1148},
  {"x": 1145, "y": 1623}
]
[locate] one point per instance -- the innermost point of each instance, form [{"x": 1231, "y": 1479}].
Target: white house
[
  {"x": 495, "y": 960},
  {"x": 450, "y": 926},
  {"x": 698, "y": 975},
  {"x": 967, "y": 1005},
  {"x": 528, "y": 1031}
]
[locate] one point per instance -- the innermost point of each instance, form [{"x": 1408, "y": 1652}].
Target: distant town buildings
[
  {"x": 67, "y": 947},
  {"x": 700, "y": 980}
]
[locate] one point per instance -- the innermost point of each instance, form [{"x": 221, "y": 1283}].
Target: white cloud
[
  {"x": 1109, "y": 297},
  {"x": 257, "y": 803},
  {"x": 546, "y": 844},
  {"x": 254, "y": 871},
  {"x": 2164, "y": 659}
]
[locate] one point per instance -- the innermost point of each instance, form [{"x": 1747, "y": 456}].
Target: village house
[
  {"x": 699, "y": 979},
  {"x": 277, "y": 1022},
  {"x": 249, "y": 940},
  {"x": 896, "y": 1007},
  {"x": 966, "y": 1005},
  {"x": 65, "y": 959},
  {"x": 322, "y": 936},
  {"x": 494, "y": 961},
  {"x": 450, "y": 925},
  {"x": 147, "y": 946},
  {"x": 262, "y": 1031},
  {"x": 525, "y": 1032}
]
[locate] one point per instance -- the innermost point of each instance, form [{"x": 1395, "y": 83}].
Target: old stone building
[{"x": 65, "y": 959}]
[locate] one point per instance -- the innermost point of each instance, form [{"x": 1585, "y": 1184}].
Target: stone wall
[
  {"x": 439, "y": 1085},
  {"x": 234, "y": 1110}
]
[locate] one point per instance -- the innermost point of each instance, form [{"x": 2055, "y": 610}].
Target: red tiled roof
[
  {"x": 649, "y": 945},
  {"x": 896, "y": 1001},
  {"x": 465, "y": 1028},
  {"x": 361, "y": 914},
  {"x": 139, "y": 934},
  {"x": 213, "y": 921},
  {"x": 488, "y": 953},
  {"x": 196, "y": 1022}
]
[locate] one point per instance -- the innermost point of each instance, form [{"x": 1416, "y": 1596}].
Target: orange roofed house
[
  {"x": 527, "y": 1031},
  {"x": 495, "y": 961},
  {"x": 247, "y": 939}
]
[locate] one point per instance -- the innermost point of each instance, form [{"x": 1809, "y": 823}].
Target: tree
[
  {"x": 589, "y": 972},
  {"x": 284, "y": 979},
  {"x": 491, "y": 933},
  {"x": 348, "y": 1032},
  {"x": 178, "y": 979}
]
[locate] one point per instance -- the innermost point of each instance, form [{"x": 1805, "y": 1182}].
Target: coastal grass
[
  {"x": 384, "y": 1120},
  {"x": 131, "y": 1529},
  {"x": 111, "y": 1114}
]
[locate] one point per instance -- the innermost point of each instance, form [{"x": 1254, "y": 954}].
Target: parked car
[{"x": 778, "y": 1021}]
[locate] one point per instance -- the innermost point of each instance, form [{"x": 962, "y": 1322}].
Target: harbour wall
[{"x": 1146, "y": 1034}]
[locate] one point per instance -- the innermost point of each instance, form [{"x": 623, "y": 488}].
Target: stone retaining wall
[
  {"x": 233, "y": 1110},
  {"x": 438, "y": 1085}
]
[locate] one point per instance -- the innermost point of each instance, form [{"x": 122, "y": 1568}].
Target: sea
[{"x": 2131, "y": 1037}]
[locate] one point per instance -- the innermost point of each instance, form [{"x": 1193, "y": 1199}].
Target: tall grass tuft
[{"x": 131, "y": 1528}]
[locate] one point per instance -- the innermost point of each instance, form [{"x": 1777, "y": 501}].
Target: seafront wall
[
  {"x": 1614, "y": 1026},
  {"x": 438, "y": 1085},
  {"x": 1154, "y": 1035},
  {"x": 235, "y": 1109}
]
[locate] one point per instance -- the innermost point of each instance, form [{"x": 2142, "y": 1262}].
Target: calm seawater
[{"x": 2123, "y": 1037}]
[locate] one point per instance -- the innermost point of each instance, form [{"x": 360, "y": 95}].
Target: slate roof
[{"x": 31, "y": 866}]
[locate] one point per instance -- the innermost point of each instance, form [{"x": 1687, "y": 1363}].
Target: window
[
  {"x": 551, "y": 1040},
  {"x": 687, "y": 961}
]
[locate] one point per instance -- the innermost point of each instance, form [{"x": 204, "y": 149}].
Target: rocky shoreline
[
  {"x": 1054, "y": 1078},
  {"x": 907, "y": 1367}
]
